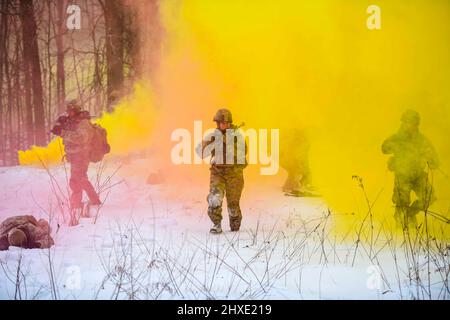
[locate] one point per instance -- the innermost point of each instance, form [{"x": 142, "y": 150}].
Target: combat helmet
[
  {"x": 73, "y": 105},
  {"x": 17, "y": 238},
  {"x": 223, "y": 115},
  {"x": 411, "y": 116}
]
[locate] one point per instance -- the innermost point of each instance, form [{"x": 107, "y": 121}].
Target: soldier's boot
[
  {"x": 288, "y": 186},
  {"x": 75, "y": 214},
  {"x": 235, "y": 226},
  {"x": 216, "y": 229},
  {"x": 235, "y": 219},
  {"x": 86, "y": 211},
  {"x": 215, "y": 214}
]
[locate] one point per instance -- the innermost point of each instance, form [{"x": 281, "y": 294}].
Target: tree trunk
[
  {"x": 3, "y": 30},
  {"x": 60, "y": 72},
  {"x": 34, "y": 92},
  {"x": 145, "y": 32},
  {"x": 29, "y": 125},
  {"x": 114, "y": 22}
]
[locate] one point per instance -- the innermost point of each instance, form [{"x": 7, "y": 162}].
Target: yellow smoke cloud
[
  {"x": 307, "y": 64},
  {"x": 130, "y": 126},
  {"x": 315, "y": 65},
  {"x": 129, "y": 129},
  {"x": 53, "y": 153}
]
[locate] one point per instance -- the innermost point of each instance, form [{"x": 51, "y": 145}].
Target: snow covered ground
[{"x": 153, "y": 242}]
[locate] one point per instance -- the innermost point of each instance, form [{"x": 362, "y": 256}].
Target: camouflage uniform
[
  {"x": 37, "y": 232},
  {"x": 77, "y": 135},
  {"x": 229, "y": 181},
  {"x": 294, "y": 158},
  {"x": 412, "y": 153},
  {"x": 225, "y": 180}
]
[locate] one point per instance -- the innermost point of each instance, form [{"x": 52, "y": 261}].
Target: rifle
[
  {"x": 64, "y": 122},
  {"x": 240, "y": 126},
  {"x": 60, "y": 125}
]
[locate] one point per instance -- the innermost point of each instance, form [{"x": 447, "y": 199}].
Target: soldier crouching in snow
[
  {"x": 413, "y": 156},
  {"x": 25, "y": 232},
  {"x": 227, "y": 148},
  {"x": 294, "y": 158},
  {"x": 77, "y": 132}
]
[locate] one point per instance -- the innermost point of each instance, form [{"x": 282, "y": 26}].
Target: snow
[{"x": 153, "y": 242}]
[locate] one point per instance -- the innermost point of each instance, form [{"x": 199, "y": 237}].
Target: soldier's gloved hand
[
  {"x": 62, "y": 119},
  {"x": 57, "y": 130}
]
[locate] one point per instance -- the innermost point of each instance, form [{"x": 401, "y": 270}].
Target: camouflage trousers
[
  {"x": 229, "y": 182},
  {"x": 79, "y": 181},
  {"x": 405, "y": 211}
]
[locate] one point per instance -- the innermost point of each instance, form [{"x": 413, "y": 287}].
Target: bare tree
[
  {"x": 42, "y": 63},
  {"x": 33, "y": 81},
  {"x": 114, "y": 22},
  {"x": 3, "y": 30},
  {"x": 60, "y": 54}
]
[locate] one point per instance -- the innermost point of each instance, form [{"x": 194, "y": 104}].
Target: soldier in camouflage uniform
[
  {"x": 294, "y": 158},
  {"x": 76, "y": 131},
  {"x": 413, "y": 157},
  {"x": 226, "y": 178},
  {"x": 25, "y": 232}
]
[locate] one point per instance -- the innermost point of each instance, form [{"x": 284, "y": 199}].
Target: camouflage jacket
[
  {"x": 77, "y": 136},
  {"x": 412, "y": 153},
  {"x": 237, "y": 153},
  {"x": 37, "y": 232}
]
